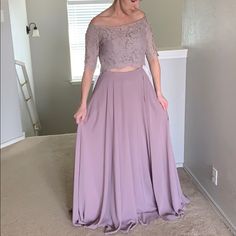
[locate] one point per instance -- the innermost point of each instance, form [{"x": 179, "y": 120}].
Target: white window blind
[{"x": 80, "y": 12}]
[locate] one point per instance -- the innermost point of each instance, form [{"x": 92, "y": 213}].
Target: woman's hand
[
  {"x": 80, "y": 114},
  {"x": 163, "y": 101}
]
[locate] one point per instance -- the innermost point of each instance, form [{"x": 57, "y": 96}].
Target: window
[{"x": 80, "y": 12}]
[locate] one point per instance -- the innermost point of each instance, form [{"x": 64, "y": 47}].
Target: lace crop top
[{"x": 119, "y": 46}]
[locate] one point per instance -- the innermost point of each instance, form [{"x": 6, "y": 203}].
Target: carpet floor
[{"x": 36, "y": 195}]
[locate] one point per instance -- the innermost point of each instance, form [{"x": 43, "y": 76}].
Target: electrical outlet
[{"x": 214, "y": 175}]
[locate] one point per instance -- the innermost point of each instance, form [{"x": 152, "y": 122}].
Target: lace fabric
[{"x": 119, "y": 46}]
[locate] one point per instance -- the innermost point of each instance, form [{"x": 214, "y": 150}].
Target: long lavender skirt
[{"x": 125, "y": 172}]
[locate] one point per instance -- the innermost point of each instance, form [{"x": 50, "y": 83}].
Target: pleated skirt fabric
[{"x": 124, "y": 170}]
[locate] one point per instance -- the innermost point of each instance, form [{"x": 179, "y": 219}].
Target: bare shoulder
[
  {"x": 105, "y": 18},
  {"x": 138, "y": 14},
  {"x": 95, "y": 19},
  {"x": 100, "y": 18}
]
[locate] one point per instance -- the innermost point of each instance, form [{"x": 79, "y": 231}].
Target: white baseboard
[
  {"x": 179, "y": 164},
  {"x": 215, "y": 206},
  {"x": 12, "y": 141}
]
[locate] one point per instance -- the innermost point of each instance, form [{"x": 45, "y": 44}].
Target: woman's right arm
[
  {"x": 85, "y": 87},
  {"x": 90, "y": 62}
]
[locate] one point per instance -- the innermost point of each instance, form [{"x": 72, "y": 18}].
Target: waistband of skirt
[{"x": 123, "y": 72}]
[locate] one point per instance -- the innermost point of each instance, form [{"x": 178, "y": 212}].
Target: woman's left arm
[
  {"x": 154, "y": 65},
  {"x": 155, "y": 69}
]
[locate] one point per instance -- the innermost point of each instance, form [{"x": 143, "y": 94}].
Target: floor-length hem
[
  {"x": 144, "y": 218},
  {"x": 125, "y": 172}
]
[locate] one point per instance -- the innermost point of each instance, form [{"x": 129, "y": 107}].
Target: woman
[{"x": 125, "y": 172}]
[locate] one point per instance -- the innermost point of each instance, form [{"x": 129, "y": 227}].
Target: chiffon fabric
[{"x": 125, "y": 172}]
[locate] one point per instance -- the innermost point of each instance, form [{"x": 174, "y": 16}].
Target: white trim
[
  {"x": 215, "y": 206},
  {"x": 179, "y": 164},
  {"x": 173, "y": 53},
  {"x": 12, "y": 141}
]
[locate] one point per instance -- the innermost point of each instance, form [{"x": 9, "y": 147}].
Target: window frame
[{"x": 78, "y": 79}]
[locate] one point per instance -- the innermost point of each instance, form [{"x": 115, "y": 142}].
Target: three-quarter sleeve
[
  {"x": 151, "y": 47},
  {"x": 91, "y": 47}
]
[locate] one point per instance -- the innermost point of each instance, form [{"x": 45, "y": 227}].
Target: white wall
[
  {"x": 21, "y": 49},
  {"x": 173, "y": 83},
  {"x": 11, "y": 128}
]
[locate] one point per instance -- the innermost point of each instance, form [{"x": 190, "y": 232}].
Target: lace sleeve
[
  {"x": 151, "y": 47},
  {"x": 91, "y": 47}
]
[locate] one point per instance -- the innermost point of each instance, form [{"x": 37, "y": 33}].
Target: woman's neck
[{"x": 120, "y": 9}]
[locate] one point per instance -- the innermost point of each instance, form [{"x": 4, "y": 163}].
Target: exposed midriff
[{"x": 124, "y": 69}]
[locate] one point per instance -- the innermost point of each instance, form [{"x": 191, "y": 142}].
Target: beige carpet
[{"x": 36, "y": 194}]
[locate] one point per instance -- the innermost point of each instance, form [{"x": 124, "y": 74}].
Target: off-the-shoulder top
[{"x": 119, "y": 46}]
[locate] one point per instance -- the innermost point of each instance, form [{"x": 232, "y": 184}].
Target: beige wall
[
  {"x": 165, "y": 17},
  {"x": 57, "y": 100},
  {"x": 209, "y": 33}
]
